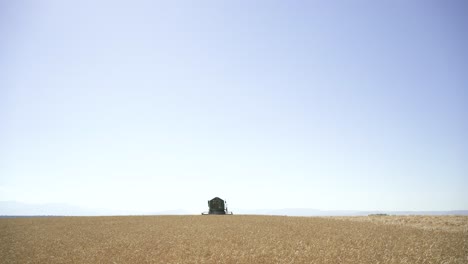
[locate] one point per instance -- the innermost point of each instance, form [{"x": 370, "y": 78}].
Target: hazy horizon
[
  {"x": 12, "y": 208},
  {"x": 160, "y": 105}
]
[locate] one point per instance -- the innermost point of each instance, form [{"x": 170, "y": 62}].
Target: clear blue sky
[{"x": 152, "y": 105}]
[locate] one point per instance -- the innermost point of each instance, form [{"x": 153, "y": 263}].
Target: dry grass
[{"x": 229, "y": 239}]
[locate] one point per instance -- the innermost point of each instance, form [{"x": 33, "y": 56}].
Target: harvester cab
[{"x": 217, "y": 206}]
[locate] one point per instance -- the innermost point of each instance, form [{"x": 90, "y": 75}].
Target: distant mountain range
[
  {"x": 315, "y": 212},
  {"x": 12, "y": 208},
  {"x": 19, "y": 209}
]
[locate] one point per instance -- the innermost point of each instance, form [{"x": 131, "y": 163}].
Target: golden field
[{"x": 235, "y": 239}]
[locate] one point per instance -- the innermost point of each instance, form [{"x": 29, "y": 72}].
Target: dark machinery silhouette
[{"x": 217, "y": 206}]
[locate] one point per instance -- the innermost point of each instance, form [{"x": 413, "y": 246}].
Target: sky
[{"x": 162, "y": 105}]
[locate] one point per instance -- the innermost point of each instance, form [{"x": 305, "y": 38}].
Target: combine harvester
[{"x": 217, "y": 206}]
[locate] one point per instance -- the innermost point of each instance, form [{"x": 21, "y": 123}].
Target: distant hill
[
  {"x": 315, "y": 212},
  {"x": 17, "y": 209},
  {"x": 12, "y": 208},
  {"x": 50, "y": 209}
]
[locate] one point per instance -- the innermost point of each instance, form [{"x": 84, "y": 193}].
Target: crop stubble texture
[{"x": 226, "y": 239}]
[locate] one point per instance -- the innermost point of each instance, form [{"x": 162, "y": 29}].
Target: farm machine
[{"x": 217, "y": 206}]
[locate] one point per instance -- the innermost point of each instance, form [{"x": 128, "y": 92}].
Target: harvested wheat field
[{"x": 234, "y": 239}]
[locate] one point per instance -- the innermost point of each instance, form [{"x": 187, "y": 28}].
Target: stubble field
[{"x": 235, "y": 239}]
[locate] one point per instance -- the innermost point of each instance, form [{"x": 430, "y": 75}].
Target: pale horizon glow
[{"x": 162, "y": 105}]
